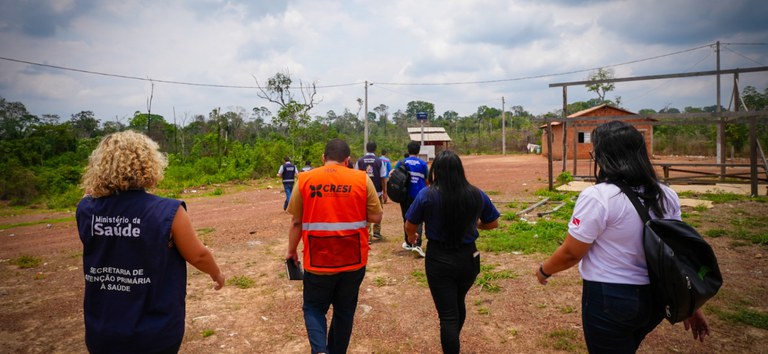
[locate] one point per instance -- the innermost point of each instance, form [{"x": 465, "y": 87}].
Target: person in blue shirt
[
  {"x": 453, "y": 211},
  {"x": 386, "y": 161},
  {"x": 135, "y": 249},
  {"x": 417, "y": 169}
]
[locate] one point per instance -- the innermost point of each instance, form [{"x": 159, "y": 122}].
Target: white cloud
[{"x": 343, "y": 42}]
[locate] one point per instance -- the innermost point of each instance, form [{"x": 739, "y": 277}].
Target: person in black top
[
  {"x": 377, "y": 172},
  {"x": 452, "y": 210}
]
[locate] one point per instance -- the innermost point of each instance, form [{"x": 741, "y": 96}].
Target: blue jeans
[
  {"x": 288, "y": 186},
  {"x": 617, "y": 317},
  {"x": 450, "y": 275},
  {"x": 321, "y": 291}
]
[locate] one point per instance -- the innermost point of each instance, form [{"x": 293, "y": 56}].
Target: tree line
[{"x": 42, "y": 158}]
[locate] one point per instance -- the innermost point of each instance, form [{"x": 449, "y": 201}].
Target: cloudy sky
[{"x": 458, "y": 55}]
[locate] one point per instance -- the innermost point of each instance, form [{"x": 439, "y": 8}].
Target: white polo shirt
[{"x": 604, "y": 217}]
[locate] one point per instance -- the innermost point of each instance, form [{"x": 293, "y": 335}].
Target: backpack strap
[{"x": 641, "y": 209}]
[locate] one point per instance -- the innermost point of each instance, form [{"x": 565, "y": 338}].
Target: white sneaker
[
  {"x": 406, "y": 246},
  {"x": 417, "y": 249}
]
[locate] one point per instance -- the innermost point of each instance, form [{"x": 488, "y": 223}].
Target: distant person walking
[
  {"x": 331, "y": 209},
  {"x": 417, "y": 169},
  {"x": 453, "y": 210},
  {"x": 136, "y": 246},
  {"x": 387, "y": 162},
  {"x": 307, "y": 166},
  {"x": 377, "y": 172},
  {"x": 287, "y": 172}
]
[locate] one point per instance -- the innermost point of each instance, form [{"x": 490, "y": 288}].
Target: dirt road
[{"x": 41, "y": 308}]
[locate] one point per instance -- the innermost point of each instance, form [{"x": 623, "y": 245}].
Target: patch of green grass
[
  {"x": 555, "y": 195},
  {"x": 207, "y": 333},
  {"x": 380, "y": 281},
  {"x": 715, "y": 233},
  {"x": 26, "y": 261},
  {"x": 543, "y": 236},
  {"x": 241, "y": 281},
  {"x": 700, "y": 208},
  {"x": 568, "y": 309},
  {"x": 564, "y": 177},
  {"x": 742, "y": 315},
  {"x": 492, "y": 192},
  {"x": 487, "y": 278},
  {"x": 217, "y": 191},
  {"x": 719, "y": 198},
  {"x": 484, "y": 311},
  {"x": 29, "y": 223},
  {"x": 564, "y": 339},
  {"x": 420, "y": 277}
]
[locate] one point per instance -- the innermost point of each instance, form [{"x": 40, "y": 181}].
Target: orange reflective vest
[{"x": 334, "y": 219}]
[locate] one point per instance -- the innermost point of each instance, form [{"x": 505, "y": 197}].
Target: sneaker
[
  {"x": 418, "y": 250},
  {"x": 378, "y": 236},
  {"x": 406, "y": 246}
]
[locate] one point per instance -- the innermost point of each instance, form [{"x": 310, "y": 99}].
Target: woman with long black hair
[
  {"x": 453, "y": 210},
  {"x": 605, "y": 237}
]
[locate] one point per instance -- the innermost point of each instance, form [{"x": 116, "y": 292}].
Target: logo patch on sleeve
[{"x": 576, "y": 221}]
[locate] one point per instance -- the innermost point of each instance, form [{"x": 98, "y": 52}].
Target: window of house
[{"x": 584, "y": 137}]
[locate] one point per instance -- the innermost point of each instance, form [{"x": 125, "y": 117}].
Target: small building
[
  {"x": 582, "y": 134},
  {"x": 435, "y": 140}
]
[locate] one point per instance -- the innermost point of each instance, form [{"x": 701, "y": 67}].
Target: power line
[
  {"x": 545, "y": 75},
  {"x": 150, "y": 79},
  {"x": 359, "y": 83}
]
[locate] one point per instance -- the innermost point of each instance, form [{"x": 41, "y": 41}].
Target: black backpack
[
  {"x": 682, "y": 267},
  {"x": 397, "y": 184}
]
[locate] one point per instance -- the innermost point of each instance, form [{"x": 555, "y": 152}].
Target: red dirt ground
[{"x": 41, "y": 308}]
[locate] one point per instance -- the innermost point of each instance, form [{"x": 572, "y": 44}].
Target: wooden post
[{"x": 565, "y": 127}]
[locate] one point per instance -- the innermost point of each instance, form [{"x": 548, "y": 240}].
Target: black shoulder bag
[{"x": 682, "y": 267}]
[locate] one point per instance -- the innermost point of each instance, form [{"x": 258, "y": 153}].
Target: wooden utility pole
[
  {"x": 365, "y": 119},
  {"x": 503, "y": 129},
  {"x": 720, "y": 126},
  {"x": 565, "y": 127}
]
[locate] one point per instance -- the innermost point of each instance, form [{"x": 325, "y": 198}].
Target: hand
[
  {"x": 219, "y": 279},
  {"x": 540, "y": 277},
  {"x": 292, "y": 255},
  {"x": 412, "y": 239},
  {"x": 384, "y": 197},
  {"x": 698, "y": 325}
]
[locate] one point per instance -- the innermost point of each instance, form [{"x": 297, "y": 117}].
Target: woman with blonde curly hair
[{"x": 135, "y": 249}]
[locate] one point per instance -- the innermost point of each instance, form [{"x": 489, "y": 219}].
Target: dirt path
[{"x": 41, "y": 308}]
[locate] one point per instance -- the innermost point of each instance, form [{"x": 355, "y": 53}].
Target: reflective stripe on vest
[{"x": 333, "y": 226}]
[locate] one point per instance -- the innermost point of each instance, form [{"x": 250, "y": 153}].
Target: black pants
[
  {"x": 404, "y": 209},
  {"x": 450, "y": 275}
]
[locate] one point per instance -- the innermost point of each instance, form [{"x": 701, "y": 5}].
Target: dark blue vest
[
  {"x": 135, "y": 278},
  {"x": 372, "y": 166},
  {"x": 289, "y": 172}
]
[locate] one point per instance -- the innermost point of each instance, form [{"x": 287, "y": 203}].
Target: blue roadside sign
[{"x": 421, "y": 115}]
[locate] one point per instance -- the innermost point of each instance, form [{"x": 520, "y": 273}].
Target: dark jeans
[
  {"x": 617, "y": 317},
  {"x": 404, "y": 209},
  {"x": 288, "y": 186},
  {"x": 322, "y": 291},
  {"x": 450, "y": 275}
]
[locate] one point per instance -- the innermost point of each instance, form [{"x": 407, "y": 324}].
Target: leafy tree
[
  {"x": 754, "y": 100},
  {"x": 601, "y": 88},
  {"x": 14, "y": 120},
  {"x": 414, "y": 107},
  {"x": 85, "y": 124}
]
